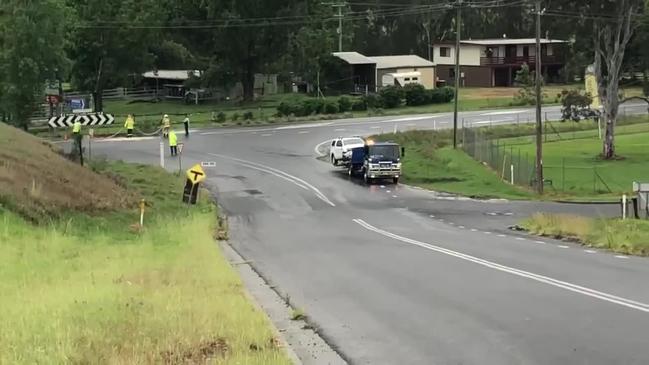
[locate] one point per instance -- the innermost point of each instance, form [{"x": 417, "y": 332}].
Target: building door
[
  {"x": 501, "y": 77},
  {"x": 526, "y": 52},
  {"x": 510, "y": 52}
]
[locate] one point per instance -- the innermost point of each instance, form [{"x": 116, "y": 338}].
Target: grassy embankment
[
  {"x": 82, "y": 283},
  {"x": 431, "y": 163},
  {"x": 628, "y": 236}
]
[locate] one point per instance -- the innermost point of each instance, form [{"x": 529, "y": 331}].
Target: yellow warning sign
[{"x": 196, "y": 174}]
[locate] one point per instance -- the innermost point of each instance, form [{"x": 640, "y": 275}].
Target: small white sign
[
  {"x": 208, "y": 164},
  {"x": 82, "y": 111},
  {"x": 180, "y": 148}
]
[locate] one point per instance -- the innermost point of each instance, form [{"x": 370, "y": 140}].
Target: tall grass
[{"x": 624, "y": 236}]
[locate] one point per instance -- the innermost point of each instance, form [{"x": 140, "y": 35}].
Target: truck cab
[{"x": 377, "y": 160}]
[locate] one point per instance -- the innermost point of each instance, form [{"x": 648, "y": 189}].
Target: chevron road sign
[{"x": 90, "y": 119}]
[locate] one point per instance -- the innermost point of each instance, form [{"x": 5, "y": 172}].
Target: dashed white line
[
  {"x": 501, "y": 235},
  {"x": 563, "y": 246},
  {"x": 632, "y": 304},
  {"x": 302, "y": 132},
  {"x": 486, "y": 232},
  {"x": 394, "y": 196},
  {"x": 266, "y": 134},
  {"x": 460, "y": 227},
  {"x": 340, "y": 130},
  {"x": 432, "y": 216},
  {"x": 540, "y": 242},
  {"x": 375, "y": 127},
  {"x": 590, "y": 251},
  {"x": 451, "y": 223},
  {"x": 520, "y": 239},
  {"x": 621, "y": 257},
  {"x": 474, "y": 230}
]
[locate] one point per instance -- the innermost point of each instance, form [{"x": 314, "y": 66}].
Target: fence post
[
  {"x": 594, "y": 178},
  {"x": 563, "y": 174},
  {"x": 512, "y": 173}
]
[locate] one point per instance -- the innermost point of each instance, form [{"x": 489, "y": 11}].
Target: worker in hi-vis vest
[
  {"x": 173, "y": 143},
  {"x": 129, "y": 124},
  {"x": 76, "y": 127},
  {"x": 166, "y": 125}
]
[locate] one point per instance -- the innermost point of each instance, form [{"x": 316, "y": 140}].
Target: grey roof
[
  {"x": 170, "y": 74},
  {"x": 383, "y": 62},
  {"x": 354, "y": 58},
  {"x": 509, "y": 41}
]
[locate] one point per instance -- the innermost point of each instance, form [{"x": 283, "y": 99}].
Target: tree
[
  {"x": 575, "y": 106},
  {"x": 109, "y": 47},
  {"x": 611, "y": 38},
  {"x": 32, "y": 39}
]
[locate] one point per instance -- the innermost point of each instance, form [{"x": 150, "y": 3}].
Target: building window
[
  {"x": 407, "y": 79},
  {"x": 415, "y": 79},
  {"x": 445, "y": 51}
]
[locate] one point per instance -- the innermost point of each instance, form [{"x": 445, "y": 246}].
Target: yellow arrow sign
[{"x": 196, "y": 174}]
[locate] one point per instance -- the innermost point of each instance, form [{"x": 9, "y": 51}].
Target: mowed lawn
[{"x": 575, "y": 168}]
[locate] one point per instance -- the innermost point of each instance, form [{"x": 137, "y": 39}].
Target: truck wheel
[
  {"x": 334, "y": 161},
  {"x": 395, "y": 180},
  {"x": 350, "y": 171},
  {"x": 367, "y": 179}
]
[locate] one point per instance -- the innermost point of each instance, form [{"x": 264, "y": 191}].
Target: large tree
[
  {"x": 32, "y": 40},
  {"x": 113, "y": 41}
]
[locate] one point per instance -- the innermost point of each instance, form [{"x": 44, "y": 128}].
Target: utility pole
[
  {"x": 458, "y": 21},
  {"x": 340, "y": 7},
  {"x": 539, "y": 126}
]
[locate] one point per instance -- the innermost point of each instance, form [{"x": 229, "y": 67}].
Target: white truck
[{"x": 341, "y": 149}]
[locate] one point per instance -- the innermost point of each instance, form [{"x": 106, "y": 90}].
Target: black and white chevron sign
[{"x": 89, "y": 120}]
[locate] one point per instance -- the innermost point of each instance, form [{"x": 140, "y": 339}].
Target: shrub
[
  {"x": 235, "y": 116},
  {"x": 359, "y": 105},
  {"x": 391, "y": 96},
  {"x": 220, "y": 117},
  {"x": 440, "y": 96},
  {"x": 284, "y": 109},
  {"x": 331, "y": 107},
  {"x": 415, "y": 94},
  {"x": 248, "y": 115},
  {"x": 372, "y": 101},
  {"x": 344, "y": 104},
  {"x": 312, "y": 106}
]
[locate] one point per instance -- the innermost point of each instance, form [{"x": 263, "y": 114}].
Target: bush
[
  {"x": 220, "y": 117},
  {"x": 312, "y": 106},
  {"x": 330, "y": 107},
  {"x": 391, "y": 96},
  {"x": 359, "y": 105},
  {"x": 415, "y": 94},
  {"x": 235, "y": 116},
  {"x": 441, "y": 95},
  {"x": 248, "y": 115},
  {"x": 284, "y": 109},
  {"x": 372, "y": 101},
  {"x": 344, "y": 104}
]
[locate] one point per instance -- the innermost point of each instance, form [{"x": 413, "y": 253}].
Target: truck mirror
[{"x": 403, "y": 152}]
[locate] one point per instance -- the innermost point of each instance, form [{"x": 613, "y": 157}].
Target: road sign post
[
  {"x": 195, "y": 176},
  {"x": 180, "y": 157}
]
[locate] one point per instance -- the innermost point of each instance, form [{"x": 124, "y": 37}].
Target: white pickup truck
[{"x": 341, "y": 149}]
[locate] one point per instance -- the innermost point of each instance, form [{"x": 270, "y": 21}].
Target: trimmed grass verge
[
  {"x": 98, "y": 289},
  {"x": 622, "y": 236}
]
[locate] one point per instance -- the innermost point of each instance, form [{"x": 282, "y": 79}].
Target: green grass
[
  {"x": 95, "y": 288},
  {"x": 623, "y": 236},
  {"x": 432, "y": 164},
  {"x": 576, "y": 169}
]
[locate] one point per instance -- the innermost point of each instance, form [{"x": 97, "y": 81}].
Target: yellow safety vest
[
  {"x": 173, "y": 139},
  {"x": 76, "y": 127},
  {"x": 129, "y": 124}
]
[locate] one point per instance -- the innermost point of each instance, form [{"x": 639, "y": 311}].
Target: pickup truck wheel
[
  {"x": 395, "y": 180},
  {"x": 334, "y": 161}
]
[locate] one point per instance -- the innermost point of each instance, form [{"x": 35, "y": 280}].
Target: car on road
[{"x": 341, "y": 149}]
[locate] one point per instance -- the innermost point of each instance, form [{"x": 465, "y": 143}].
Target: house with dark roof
[{"x": 494, "y": 62}]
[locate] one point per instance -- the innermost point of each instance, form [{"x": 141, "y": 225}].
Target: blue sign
[{"x": 77, "y": 104}]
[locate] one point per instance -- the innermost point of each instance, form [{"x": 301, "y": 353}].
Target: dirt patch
[
  {"x": 198, "y": 354},
  {"x": 38, "y": 183}
]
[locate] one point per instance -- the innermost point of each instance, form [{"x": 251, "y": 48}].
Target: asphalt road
[{"x": 395, "y": 275}]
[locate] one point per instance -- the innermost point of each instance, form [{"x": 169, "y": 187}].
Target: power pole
[
  {"x": 340, "y": 7},
  {"x": 539, "y": 126},
  {"x": 458, "y": 21}
]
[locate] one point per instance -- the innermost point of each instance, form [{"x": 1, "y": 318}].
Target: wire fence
[{"x": 513, "y": 160}]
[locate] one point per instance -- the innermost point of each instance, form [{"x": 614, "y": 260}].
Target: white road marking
[
  {"x": 412, "y": 118},
  {"x": 590, "y": 251},
  {"x": 388, "y": 191},
  {"x": 540, "y": 242},
  {"x": 622, "y": 257},
  {"x": 563, "y": 246},
  {"x": 520, "y": 239},
  {"x": 317, "y": 147},
  {"x": 507, "y": 112},
  {"x": 382, "y": 186},
  {"x": 375, "y": 127},
  {"x": 394, "y": 196},
  {"x": 460, "y": 227},
  {"x": 486, "y": 232},
  {"x": 340, "y": 130},
  {"x": 266, "y": 134},
  {"x": 643, "y": 307},
  {"x": 474, "y": 230},
  {"x": 294, "y": 179},
  {"x": 300, "y": 126},
  {"x": 302, "y": 132},
  {"x": 451, "y": 223},
  {"x": 432, "y": 216},
  {"x": 501, "y": 235}
]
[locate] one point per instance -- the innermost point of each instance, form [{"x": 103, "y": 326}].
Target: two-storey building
[{"x": 494, "y": 62}]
